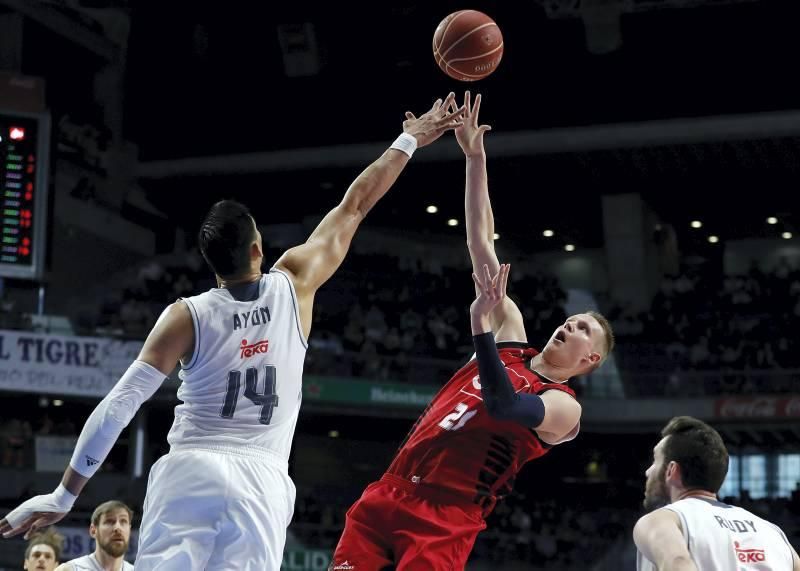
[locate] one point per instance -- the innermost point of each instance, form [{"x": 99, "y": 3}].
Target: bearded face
[
  {"x": 113, "y": 532},
  {"x": 656, "y": 494}
]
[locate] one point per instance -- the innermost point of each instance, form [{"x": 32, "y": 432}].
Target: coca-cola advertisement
[{"x": 758, "y": 407}]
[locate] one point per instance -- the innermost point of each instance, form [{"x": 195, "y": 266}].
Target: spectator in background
[
  {"x": 44, "y": 551},
  {"x": 111, "y": 529}
]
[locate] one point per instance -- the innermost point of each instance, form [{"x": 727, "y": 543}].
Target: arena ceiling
[{"x": 251, "y": 80}]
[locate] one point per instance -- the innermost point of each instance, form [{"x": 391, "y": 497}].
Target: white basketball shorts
[{"x": 215, "y": 508}]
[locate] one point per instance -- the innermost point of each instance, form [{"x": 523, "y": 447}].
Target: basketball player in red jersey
[{"x": 507, "y": 406}]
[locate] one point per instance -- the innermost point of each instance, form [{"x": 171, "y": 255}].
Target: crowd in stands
[
  {"x": 406, "y": 319},
  {"x": 708, "y": 333}
]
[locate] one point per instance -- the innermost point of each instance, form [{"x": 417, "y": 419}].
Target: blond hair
[{"x": 608, "y": 335}]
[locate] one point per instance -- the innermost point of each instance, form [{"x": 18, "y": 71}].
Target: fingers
[
  {"x": 8, "y": 531},
  {"x": 36, "y": 526},
  {"x": 454, "y": 119},
  {"x": 504, "y": 271},
  {"x": 476, "y": 109},
  {"x": 466, "y": 102},
  {"x": 4, "y": 526},
  {"x": 490, "y": 283},
  {"x": 449, "y": 100},
  {"x": 441, "y": 107},
  {"x": 410, "y": 115}
]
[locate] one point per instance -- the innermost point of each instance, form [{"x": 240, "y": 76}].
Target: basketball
[{"x": 468, "y": 45}]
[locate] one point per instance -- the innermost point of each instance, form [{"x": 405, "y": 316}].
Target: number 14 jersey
[
  {"x": 458, "y": 448},
  {"x": 242, "y": 385}
]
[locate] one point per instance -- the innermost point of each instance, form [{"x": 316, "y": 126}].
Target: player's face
[
  {"x": 42, "y": 558},
  {"x": 655, "y": 489},
  {"x": 574, "y": 341},
  {"x": 113, "y": 532}
]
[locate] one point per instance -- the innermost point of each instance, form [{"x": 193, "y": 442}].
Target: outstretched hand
[
  {"x": 491, "y": 293},
  {"x": 470, "y": 134},
  {"x": 31, "y": 516},
  {"x": 431, "y": 125}
]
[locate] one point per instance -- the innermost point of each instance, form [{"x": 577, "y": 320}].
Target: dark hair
[
  {"x": 49, "y": 537},
  {"x": 109, "y": 506},
  {"x": 699, "y": 450},
  {"x": 225, "y": 237}
]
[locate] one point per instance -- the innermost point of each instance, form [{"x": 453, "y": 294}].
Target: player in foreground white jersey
[
  {"x": 111, "y": 529},
  {"x": 694, "y": 531},
  {"x": 222, "y": 498}
]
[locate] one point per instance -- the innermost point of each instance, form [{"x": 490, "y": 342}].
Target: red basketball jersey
[{"x": 457, "y": 447}]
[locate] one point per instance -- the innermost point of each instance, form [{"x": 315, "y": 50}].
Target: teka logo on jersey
[
  {"x": 749, "y": 555},
  {"x": 250, "y": 350},
  {"x": 343, "y": 566}
]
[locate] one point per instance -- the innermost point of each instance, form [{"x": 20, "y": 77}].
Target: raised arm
[
  {"x": 554, "y": 413},
  {"x": 171, "y": 339},
  {"x": 659, "y": 538},
  {"x": 311, "y": 264},
  {"x": 506, "y": 318}
]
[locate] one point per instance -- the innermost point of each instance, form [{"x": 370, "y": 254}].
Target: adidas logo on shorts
[{"x": 91, "y": 461}]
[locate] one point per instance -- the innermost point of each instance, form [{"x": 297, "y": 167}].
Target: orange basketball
[{"x": 468, "y": 45}]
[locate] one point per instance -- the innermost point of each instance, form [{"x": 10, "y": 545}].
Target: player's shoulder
[
  {"x": 665, "y": 516},
  {"x": 77, "y": 564}
]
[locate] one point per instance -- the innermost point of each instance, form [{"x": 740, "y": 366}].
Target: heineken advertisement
[
  {"x": 305, "y": 560},
  {"x": 337, "y": 390}
]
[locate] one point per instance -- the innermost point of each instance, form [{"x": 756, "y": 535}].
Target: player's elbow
[
  {"x": 354, "y": 206},
  {"x": 560, "y": 420},
  {"x": 479, "y": 244}
]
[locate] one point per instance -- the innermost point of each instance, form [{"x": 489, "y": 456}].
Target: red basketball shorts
[{"x": 392, "y": 527}]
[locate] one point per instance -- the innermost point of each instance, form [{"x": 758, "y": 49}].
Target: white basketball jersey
[
  {"x": 720, "y": 536},
  {"x": 89, "y": 563},
  {"x": 243, "y": 384}
]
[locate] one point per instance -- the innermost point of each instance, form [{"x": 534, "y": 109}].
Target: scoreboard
[{"x": 24, "y": 160}]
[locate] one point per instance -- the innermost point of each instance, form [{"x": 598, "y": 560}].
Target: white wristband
[
  {"x": 405, "y": 143},
  {"x": 64, "y": 498}
]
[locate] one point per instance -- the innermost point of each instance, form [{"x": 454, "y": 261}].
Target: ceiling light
[
  {"x": 772, "y": 220},
  {"x": 547, "y": 233},
  {"x": 713, "y": 239},
  {"x": 432, "y": 209},
  {"x": 569, "y": 247},
  {"x": 496, "y": 236},
  {"x": 452, "y": 222},
  {"x": 786, "y": 235},
  {"x": 696, "y": 224}
]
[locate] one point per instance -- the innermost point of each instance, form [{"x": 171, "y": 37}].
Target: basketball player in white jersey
[
  {"x": 694, "y": 531},
  {"x": 111, "y": 529},
  {"x": 222, "y": 497}
]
